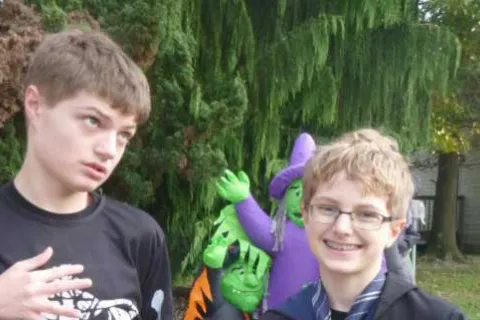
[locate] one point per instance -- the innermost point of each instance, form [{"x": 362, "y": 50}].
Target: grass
[{"x": 456, "y": 283}]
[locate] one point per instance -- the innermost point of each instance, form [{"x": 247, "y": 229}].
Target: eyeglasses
[{"x": 361, "y": 220}]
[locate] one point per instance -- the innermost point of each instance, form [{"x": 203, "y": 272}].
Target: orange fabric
[{"x": 200, "y": 291}]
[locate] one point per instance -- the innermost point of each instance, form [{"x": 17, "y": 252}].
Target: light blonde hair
[
  {"x": 66, "y": 63},
  {"x": 368, "y": 157}
]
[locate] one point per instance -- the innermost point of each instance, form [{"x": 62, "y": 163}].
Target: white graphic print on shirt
[
  {"x": 94, "y": 308},
  {"x": 157, "y": 302}
]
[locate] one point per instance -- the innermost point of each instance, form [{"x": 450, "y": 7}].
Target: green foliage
[
  {"x": 134, "y": 24},
  {"x": 453, "y": 125},
  {"x": 202, "y": 233},
  {"x": 73, "y": 5},
  {"x": 11, "y": 152},
  {"x": 456, "y": 114},
  {"x": 54, "y": 18}
]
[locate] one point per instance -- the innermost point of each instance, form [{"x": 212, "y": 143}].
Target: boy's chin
[
  {"x": 351, "y": 267},
  {"x": 85, "y": 186},
  {"x": 344, "y": 268},
  {"x": 357, "y": 265}
]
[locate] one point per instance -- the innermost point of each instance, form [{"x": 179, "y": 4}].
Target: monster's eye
[{"x": 232, "y": 249}]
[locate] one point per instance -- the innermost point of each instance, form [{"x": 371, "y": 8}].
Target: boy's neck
[
  {"x": 46, "y": 193},
  {"x": 343, "y": 289}
]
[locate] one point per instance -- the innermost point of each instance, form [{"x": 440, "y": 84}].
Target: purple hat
[{"x": 302, "y": 151}]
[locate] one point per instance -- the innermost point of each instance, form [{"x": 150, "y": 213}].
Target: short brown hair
[
  {"x": 69, "y": 62},
  {"x": 366, "y": 156}
]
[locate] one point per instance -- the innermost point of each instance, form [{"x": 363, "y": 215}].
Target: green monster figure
[
  {"x": 293, "y": 264},
  {"x": 234, "y": 276},
  {"x": 244, "y": 271}
]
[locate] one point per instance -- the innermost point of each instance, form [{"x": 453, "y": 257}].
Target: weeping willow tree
[{"x": 234, "y": 82}]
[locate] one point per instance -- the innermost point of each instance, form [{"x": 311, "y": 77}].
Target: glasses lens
[
  {"x": 323, "y": 214},
  {"x": 367, "y": 220}
]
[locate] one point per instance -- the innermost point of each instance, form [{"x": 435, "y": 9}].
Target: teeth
[
  {"x": 342, "y": 247},
  {"x": 239, "y": 292}
]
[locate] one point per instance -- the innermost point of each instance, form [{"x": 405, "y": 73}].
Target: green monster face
[
  {"x": 241, "y": 287},
  {"x": 245, "y": 270},
  {"x": 246, "y": 267},
  {"x": 293, "y": 198}
]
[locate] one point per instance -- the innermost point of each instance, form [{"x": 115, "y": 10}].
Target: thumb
[
  {"x": 221, "y": 190},
  {"x": 37, "y": 261},
  {"x": 242, "y": 176}
]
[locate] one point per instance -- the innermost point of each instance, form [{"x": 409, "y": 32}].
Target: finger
[
  {"x": 242, "y": 176},
  {"x": 57, "y": 309},
  {"x": 230, "y": 175},
  {"x": 224, "y": 181},
  {"x": 58, "y": 286},
  {"x": 221, "y": 187},
  {"x": 35, "y": 262},
  {"x": 57, "y": 272},
  {"x": 33, "y": 316},
  {"x": 221, "y": 190}
]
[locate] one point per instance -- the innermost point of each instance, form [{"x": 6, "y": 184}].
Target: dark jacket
[{"x": 399, "y": 300}]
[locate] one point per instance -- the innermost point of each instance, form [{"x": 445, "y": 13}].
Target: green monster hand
[{"x": 232, "y": 188}]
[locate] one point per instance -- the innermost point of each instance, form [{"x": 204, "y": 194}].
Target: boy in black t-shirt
[{"x": 84, "y": 98}]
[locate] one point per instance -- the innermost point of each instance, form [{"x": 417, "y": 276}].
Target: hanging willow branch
[
  {"x": 289, "y": 64},
  {"x": 392, "y": 87}
]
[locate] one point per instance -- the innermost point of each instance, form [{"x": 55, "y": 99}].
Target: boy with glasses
[{"x": 356, "y": 195}]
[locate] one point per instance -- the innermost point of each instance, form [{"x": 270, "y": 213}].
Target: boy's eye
[
  {"x": 365, "y": 215},
  {"x": 126, "y": 135},
  {"x": 92, "y": 121},
  {"x": 328, "y": 210}
]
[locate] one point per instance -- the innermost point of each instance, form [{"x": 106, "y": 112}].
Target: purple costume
[{"x": 294, "y": 265}]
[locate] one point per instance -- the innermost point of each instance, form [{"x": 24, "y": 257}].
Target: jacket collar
[
  {"x": 395, "y": 287},
  {"x": 300, "y": 305}
]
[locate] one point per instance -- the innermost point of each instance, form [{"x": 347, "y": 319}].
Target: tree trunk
[{"x": 442, "y": 242}]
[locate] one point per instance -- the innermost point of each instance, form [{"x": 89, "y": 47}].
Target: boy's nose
[
  {"x": 343, "y": 224},
  {"x": 107, "y": 148}
]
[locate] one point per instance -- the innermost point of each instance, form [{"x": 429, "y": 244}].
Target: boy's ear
[
  {"x": 395, "y": 229},
  {"x": 32, "y": 103}
]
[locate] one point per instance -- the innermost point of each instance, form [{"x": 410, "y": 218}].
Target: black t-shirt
[
  {"x": 122, "y": 248},
  {"x": 338, "y": 315}
]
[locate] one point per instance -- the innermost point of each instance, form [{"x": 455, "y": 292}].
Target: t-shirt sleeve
[{"x": 155, "y": 277}]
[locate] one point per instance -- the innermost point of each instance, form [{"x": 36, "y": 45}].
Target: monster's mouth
[{"x": 236, "y": 291}]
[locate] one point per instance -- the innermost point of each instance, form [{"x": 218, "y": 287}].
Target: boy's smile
[{"x": 342, "y": 248}]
